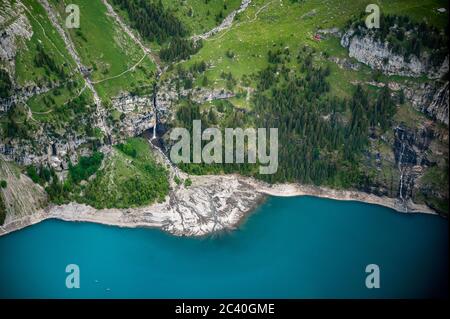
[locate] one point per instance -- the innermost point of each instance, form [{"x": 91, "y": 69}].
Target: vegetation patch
[
  {"x": 435, "y": 178},
  {"x": 179, "y": 49},
  {"x": 45, "y": 59},
  {"x": 61, "y": 192},
  {"x": 85, "y": 167},
  {"x": 130, "y": 178}
]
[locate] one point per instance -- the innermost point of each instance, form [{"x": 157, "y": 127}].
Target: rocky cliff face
[
  {"x": 21, "y": 196},
  {"x": 366, "y": 49},
  {"x": 418, "y": 145},
  {"x": 438, "y": 108},
  {"x": 168, "y": 96},
  {"x": 410, "y": 157},
  {"x": 416, "y": 151},
  {"x": 22, "y": 94},
  {"x": 45, "y": 149},
  {"x": 15, "y": 29},
  {"x": 430, "y": 98},
  {"x": 57, "y": 148},
  {"x": 211, "y": 204}
]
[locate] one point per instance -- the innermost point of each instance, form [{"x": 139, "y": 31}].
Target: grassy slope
[
  {"x": 47, "y": 36},
  {"x": 267, "y": 24},
  {"x": 128, "y": 181},
  {"x": 27, "y": 73},
  {"x": 104, "y": 46},
  {"x": 203, "y": 17},
  {"x": 52, "y": 107},
  {"x": 199, "y": 22},
  {"x": 272, "y": 24}
]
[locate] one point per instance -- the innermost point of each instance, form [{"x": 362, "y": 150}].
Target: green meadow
[
  {"x": 117, "y": 63},
  {"x": 130, "y": 177},
  {"x": 201, "y": 16},
  {"x": 46, "y": 36},
  {"x": 274, "y": 24}
]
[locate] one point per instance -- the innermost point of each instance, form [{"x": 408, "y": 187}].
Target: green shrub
[
  {"x": 128, "y": 149},
  {"x": 32, "y": 173},
  {"x": 124, "y": 183},
  {"x": 188, "y": 182}
]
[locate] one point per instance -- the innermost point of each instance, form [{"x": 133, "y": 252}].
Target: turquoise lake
[{"x": 301, "y": 247}]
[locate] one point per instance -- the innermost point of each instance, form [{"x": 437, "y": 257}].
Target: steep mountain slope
[
  {"x": 47, "y": 98},
  {"x": 356, "y": 110},
  {"x": 20, "y": 197},
  {"x": 115, "y": 63},
  {"x": 202, "y": 16},
  {"x": 317, "y": 33}
]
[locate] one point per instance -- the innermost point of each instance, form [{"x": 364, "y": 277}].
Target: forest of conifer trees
[{"x": 321, "y": 137}]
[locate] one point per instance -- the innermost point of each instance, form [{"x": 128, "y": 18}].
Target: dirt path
[
  {"x": 134, "y": 37},
  {"x": 100, "y": 112},
  {"x": 43, "y": 31},
  {"x": 244, "y": 22},
  {"x": 226, "y": 23}
]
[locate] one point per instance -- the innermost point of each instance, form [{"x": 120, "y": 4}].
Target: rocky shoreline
[{"x": 212, "y": 204}]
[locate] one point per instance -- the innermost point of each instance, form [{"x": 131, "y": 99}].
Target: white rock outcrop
[
  {"x": 211, "y": 204},
  {"x": 138, "y": 111},
  {"x": 378, "y": 56},
  {"x": 226, "y": 23},
  {"x": 430, "y": 98}
]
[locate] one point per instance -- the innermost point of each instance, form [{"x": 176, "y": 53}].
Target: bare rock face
[
  {"x": 431, "y": 99},
  {"x": 346, "y": 64},
  {"x": 45, "y": 150},
  {"x": 226, "y": 23},
  {"x": 17, "y": 28},
  {"x": 138, "y": 114},
  {"x": 335, "y": 32},
  {"x": 211, "y": 204},
  {"x": 438, "y": 108},
  {"x": 205, "y": 95},
  {"x": 22, "y": 197},
  {"x": 378, "y": 56},
  {"x": 22, "y": 94}
]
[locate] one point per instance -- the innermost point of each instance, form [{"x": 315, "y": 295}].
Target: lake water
[{"x": 301, "y": 247}]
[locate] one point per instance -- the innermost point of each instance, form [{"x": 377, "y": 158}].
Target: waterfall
[
  {"x": 401, "y": 171},
  {"x": 400, "y": 158},
  {"x": 154, "y": 128},
  {"x": 173, "y": 170},
  {"x": 156, "y": 112}
]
